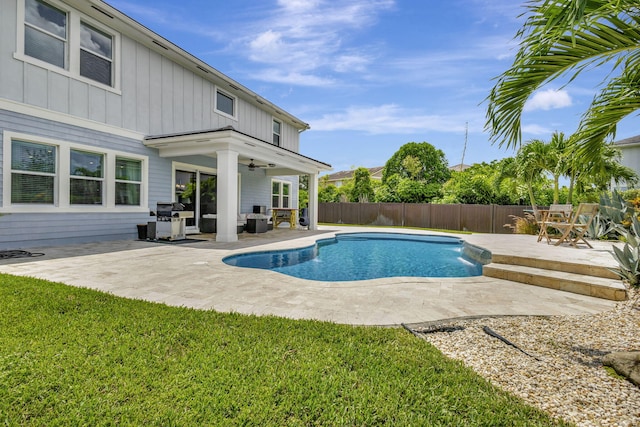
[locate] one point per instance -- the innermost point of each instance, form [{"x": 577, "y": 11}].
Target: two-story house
[
  {"x": 629, "y": 157},
  {"x": 101, "y": 119}
]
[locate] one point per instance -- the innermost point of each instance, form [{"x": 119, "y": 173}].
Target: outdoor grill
[{"x": 171, "y": 221}]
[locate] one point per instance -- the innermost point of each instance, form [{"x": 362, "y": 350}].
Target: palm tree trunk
[
  {"x": 571, "y": 182},
  {"x": 532, "y": 199}
]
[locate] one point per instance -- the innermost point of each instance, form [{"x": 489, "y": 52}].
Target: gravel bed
[{"x": 568, "y": 381}]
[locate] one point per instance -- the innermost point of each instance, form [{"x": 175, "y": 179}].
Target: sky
[{"x": 369, "y": 76}]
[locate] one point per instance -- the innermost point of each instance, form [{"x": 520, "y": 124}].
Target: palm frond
[
  {"x": 561, "y": 38},
  {"x": 620, "y": 98}
]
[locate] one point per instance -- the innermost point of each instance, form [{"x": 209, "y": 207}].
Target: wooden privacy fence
[{"x": 477, "y": 218}]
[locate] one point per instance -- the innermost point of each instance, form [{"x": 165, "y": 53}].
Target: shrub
[{"x": 526, "y": 224}]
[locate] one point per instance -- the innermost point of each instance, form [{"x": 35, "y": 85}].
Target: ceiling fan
[{"x": 252, "y": 166}]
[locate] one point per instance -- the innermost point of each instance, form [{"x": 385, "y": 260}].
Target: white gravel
[{"x": 569, "y": 381}]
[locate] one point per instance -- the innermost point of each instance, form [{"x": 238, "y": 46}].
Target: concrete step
[
  {"x": 584, "y": 284},
  {"x": 558, "y": 265}
]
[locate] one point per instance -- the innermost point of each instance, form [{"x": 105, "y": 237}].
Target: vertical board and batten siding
[
  {"x": 157, "y": 96},
  {"x": 458, "y": 217}
]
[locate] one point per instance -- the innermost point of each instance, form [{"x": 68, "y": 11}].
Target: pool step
[
  {"x": 557, "y": 265},
  {"x": 588, "y": 281}
]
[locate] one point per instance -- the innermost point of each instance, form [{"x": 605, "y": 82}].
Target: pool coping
[{"x": 193, "y": 275}]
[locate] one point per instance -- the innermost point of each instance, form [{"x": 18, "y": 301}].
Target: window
[
  {"x": 277, "y": 126},
  {"x": 128, "y": 181},
  {"x": 64, "y": 41},
  {"x": 86, "y": 178},
  {"x": 42, "y": 174},
  {"x": 225, "y": 104},
  {"x": 45, "y": 33},
  {"x": 33, "y": 173},
  {"x": 280, "y": 194},
  {"x": 95, "y": 54}
]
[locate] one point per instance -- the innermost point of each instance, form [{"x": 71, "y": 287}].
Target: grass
[{"x": 71, "y": 356}]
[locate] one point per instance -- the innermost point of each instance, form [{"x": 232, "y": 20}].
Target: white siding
[{"x": 156, "y": 95}]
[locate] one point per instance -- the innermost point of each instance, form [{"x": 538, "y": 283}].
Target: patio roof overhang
[{"x": 280, "y": 161}]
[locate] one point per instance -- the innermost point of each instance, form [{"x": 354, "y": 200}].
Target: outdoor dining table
[{"x": 547, "y": 218}]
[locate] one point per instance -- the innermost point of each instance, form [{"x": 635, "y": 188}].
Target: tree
[
  {"x": 562, "y": 38},
  {"x": 530, "y": 165},
  {"x": 362, "y": 190},
  {"x": 483, "y": 184},
  {"x": 418, "y": 162},
  {"x": 596, "y": 174},
  {"x": 557, "y": 161}
]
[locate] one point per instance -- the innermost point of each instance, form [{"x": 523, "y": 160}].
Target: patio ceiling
[{"x": 209, "y": 142}]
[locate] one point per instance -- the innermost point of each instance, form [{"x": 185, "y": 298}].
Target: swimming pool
[{"x": 364, "y": 256}]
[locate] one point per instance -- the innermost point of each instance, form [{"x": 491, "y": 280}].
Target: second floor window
[
  {"x": 63, "y": 40},
  {"x": 45, "y": 33},
  {"x": 225, "y": 103},
  {"x": 277, "y": 129},
  {"x": 95, "y": 54}
]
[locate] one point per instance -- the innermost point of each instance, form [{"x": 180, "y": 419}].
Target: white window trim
[
  {"x": 101, "y": 179},
  {"x": 63, "y": 176},
  {"x": 72, "y": 60},
  {"x": 274, "y": 119},
  {"x": 235, "y": 103},
  {"x": 280, "y": 196}
]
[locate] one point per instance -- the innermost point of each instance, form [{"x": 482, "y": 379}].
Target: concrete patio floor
[{"x": 192, "y": 274}]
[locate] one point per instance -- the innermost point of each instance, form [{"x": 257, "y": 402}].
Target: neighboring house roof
[
  {"x": 375, "y": 172},
  {"x": 627, "y": 142},
  {"x": 459, "y": 167}
]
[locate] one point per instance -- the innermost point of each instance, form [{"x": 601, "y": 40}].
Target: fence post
[{"x": 493, "y": 218}]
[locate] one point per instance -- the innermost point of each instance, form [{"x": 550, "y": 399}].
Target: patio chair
[
  {"x": 574, "y": 229},
  {"x": 304, "y": 218},
  {"x": 555, "y": 213}
]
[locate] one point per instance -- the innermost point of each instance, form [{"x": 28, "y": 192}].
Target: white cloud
[
  {"x": 549, "y": 99},
  {"x": 310, "y": 37},
  {"x": 386, "y": 119},
  {"x": 534, "y": 129},
  {"x": 276, "y": 75}
]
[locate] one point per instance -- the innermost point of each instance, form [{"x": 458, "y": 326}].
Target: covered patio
[{"x": 232, "y": 148}]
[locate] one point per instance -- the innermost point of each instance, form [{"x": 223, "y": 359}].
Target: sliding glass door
[{"x": 197, "y": 191}]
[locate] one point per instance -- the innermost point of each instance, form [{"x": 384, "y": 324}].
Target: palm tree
[
  {"x": 597, "y": 173},
  {"x": 531, "y": 165},
  {"x": 557, "y": 160},
  {"x": 562, "y": 38}
]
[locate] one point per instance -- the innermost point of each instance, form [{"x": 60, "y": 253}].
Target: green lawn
[{"x": 72, "y": 356}]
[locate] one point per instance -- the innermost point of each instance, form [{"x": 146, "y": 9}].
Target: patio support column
[
  {"x": 227, "y": 203},
  {"x": 313, "y": 201}
]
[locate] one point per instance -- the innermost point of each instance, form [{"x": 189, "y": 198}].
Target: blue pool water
[{"x": 362, "y": 256}]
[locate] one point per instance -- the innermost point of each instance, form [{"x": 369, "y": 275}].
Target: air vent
[
  {"x": 160, "y": 44},
  {"x": 232, "y": 86},
  {"x": 202, "y": 69},
  {"x": 102, "y": 11}
]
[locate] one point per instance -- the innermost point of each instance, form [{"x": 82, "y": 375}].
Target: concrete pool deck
[{"x": 192, "y": 274}]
